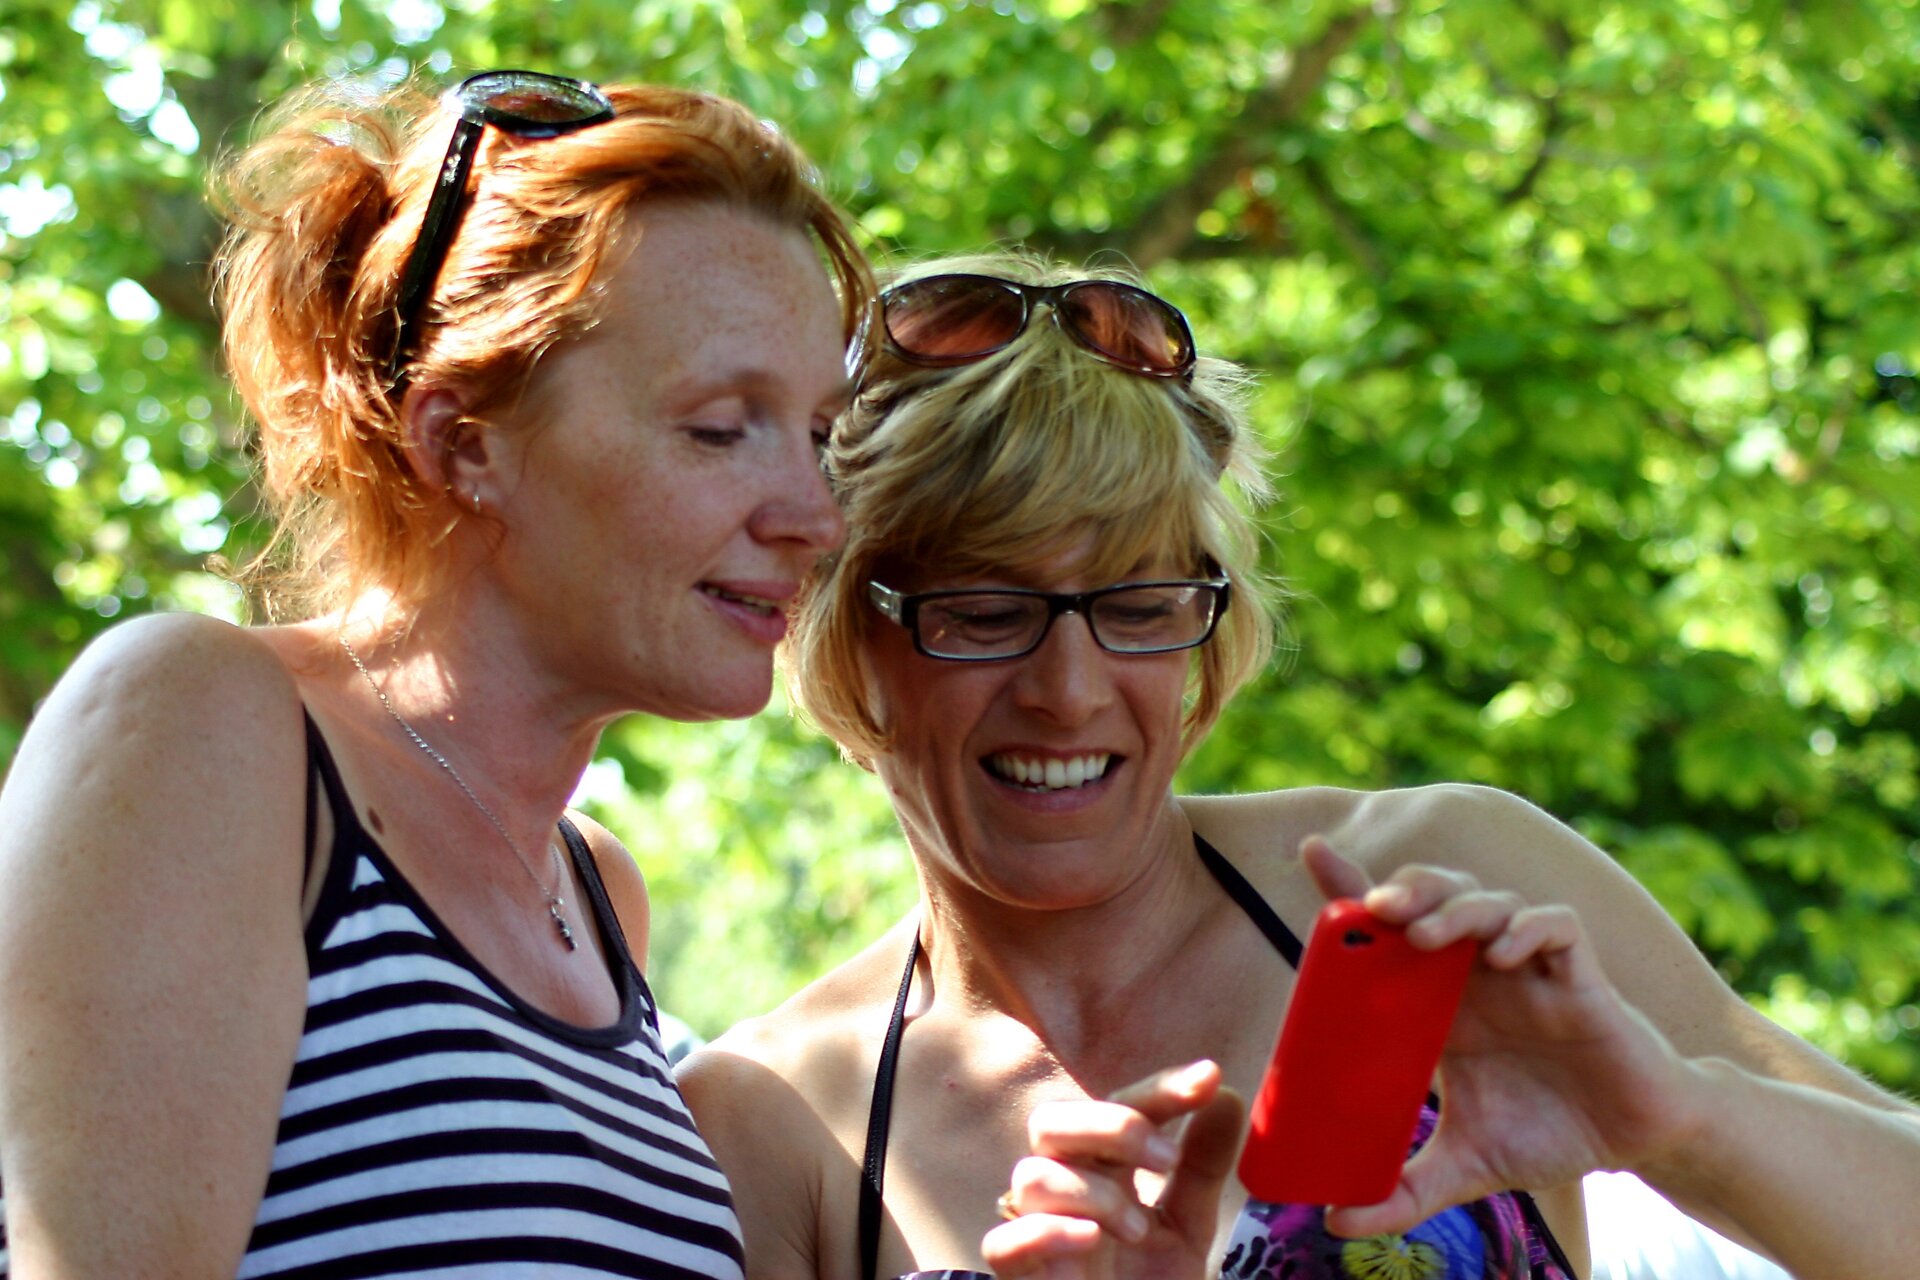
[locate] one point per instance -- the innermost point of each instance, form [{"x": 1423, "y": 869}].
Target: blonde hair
[
  {"x": 1000, "y": 465},
  {"x": 324, "y": 209}
]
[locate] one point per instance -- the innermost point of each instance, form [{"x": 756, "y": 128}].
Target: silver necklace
[{"x": 556, "y": 905}]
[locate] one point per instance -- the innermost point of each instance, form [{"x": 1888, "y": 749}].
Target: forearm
[{"x": 1824, "y": 1184}]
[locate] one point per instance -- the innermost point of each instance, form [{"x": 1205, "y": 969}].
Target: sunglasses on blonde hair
[
  {"x": 527, "y": 104},
  {"x": 947, "y": 320}
]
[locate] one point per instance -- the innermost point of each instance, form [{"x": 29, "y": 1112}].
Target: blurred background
[{"x": 1587, "y": 340}]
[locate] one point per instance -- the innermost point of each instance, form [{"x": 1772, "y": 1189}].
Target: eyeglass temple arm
[
  {"x": 887, "y": 601},
  {"x": 445, "y": 210}
]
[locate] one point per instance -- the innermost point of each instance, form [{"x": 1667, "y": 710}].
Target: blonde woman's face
[{"x": 1043, "y": 781}]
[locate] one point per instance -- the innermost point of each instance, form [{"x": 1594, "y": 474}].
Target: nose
[
  {"x": 1066, "y": 679},
  {"x": 799, "y": 507}
]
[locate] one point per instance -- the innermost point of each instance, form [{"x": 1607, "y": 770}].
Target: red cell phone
[{"x": 1337, "y": 1108}]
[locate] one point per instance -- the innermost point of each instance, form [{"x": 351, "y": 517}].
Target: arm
[
  {"x": 1507, "y": 844},
  {"x": 1549, "y": 1074},
  {"x": 1821, "y": 1183},
  {"x": 765, "y": 1137},
  {"x": 152, "y": 969}
]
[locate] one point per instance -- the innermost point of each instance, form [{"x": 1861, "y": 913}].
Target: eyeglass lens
[
  {"x": 955, "y": 319},
  {"x": 530, "y": 98},
  {"x": 1145, "y": 619},
  {"x": 1132, "y": 326}
]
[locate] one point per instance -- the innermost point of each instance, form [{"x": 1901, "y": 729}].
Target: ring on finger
[{"x": 1007, "y": 1209}]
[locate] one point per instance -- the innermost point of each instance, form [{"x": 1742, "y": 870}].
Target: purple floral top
[{"x": 1499, "y": 1238}]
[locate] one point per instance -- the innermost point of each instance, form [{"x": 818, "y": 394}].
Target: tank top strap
[
  {"x": 321, "y": 768},
  {"x": 873, "y": 1169},
  {"x": 1264, "y": 917},
  {"x": 608, "y": 919}
]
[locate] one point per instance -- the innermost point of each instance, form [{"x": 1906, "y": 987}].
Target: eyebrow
[{"x": 748, "y": 381}]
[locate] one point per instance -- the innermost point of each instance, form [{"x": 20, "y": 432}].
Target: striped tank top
[{"x": 436, "y": 1123}]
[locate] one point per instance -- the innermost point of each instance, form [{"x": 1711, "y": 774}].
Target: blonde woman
[{"x": 1045, "y": 598}]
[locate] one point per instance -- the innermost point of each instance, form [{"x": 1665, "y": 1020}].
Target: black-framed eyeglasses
[
  {"x": 947, "y": 320},
  {"x": 527, "y": 104},
  {"x": 989, "y": 626}
]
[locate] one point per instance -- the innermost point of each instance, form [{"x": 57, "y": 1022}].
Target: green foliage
[
  {"x": 1588, "y": 351},
  {"x": 768, "y": 858}
]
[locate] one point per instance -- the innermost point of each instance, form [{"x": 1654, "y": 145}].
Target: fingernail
[
  {"x": 1385, "y": 897},
  {"x": 1190, "y": 1076},
  {"x": 1161, "y": 1153},
  {"x": 1133, "y": 1225}
]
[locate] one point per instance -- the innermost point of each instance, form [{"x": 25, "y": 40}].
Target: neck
[
  {"x": 1083, "y": 978},
  {"x": 510, "y": 732}
]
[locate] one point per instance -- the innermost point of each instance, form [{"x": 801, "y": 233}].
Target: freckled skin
[{"x": 674, "y": 446}]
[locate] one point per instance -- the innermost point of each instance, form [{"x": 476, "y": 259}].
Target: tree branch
[
  {"x": 1167, "y": 225},
  {"x": 1551, "y": 122},
  {"x": 1346, "y": 223},
  {"x": 178, "y": 223},
  {"x": 1559, "y": 39},
  {"x": 1124, "y": 24}
]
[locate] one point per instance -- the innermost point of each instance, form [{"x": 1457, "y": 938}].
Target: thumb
[
  {"x": 1190, "y": 1202},
  {"x": 1333, "y": 874},
  {"x": 1432, "y": 1180}
]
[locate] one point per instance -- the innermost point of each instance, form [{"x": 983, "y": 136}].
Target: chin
[{"x": 733, "y": 702}]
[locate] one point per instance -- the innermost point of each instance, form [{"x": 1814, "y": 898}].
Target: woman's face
[
  {"x": 964, "y": 734},
  {"x": 664, "y": 499}
]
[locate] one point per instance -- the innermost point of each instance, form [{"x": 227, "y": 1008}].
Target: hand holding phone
[{"x": 1337, "y": 1107}]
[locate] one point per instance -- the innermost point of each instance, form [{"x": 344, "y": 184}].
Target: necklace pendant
[{"x": 560, "y": 924}]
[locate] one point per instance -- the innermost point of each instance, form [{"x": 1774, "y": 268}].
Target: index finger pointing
[{"x": 1169, "y": 1094}]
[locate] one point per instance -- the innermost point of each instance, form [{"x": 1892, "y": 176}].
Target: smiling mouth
[
  {"x": 1032, "y": 773},
  {"x": 759, "y": 604}
]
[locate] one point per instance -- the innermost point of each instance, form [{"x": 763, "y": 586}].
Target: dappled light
[{"x": 1586, "y": 346}]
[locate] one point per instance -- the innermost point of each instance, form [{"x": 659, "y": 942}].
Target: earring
[{"x": 473, "y": 498}]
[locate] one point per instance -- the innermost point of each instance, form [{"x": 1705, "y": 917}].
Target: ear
[{"x": 446, "y": 450}]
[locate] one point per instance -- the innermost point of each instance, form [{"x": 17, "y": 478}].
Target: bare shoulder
[
  {"x": 171, "y": 675},
  {"x": 178, "y": 703},
  {"x": 815, "y": 1052},
  {"x": 1260, "y": 834},
  {"x": 783, "y": 1099},
  {"x": 1494, "y": 835},
  {"x": 157, "y": 801},
  {"x": 172, "y": 753}
]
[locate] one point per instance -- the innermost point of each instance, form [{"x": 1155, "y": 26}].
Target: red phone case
[{"x": 1336, "y": 1111}]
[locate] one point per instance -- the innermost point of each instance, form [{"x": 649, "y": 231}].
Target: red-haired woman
[{"x": 304, "y": 969}]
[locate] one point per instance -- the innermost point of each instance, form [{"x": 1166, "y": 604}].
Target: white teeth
[
  {"x": 758, "y": 604},
  {"x": 1052, "y": 773}
]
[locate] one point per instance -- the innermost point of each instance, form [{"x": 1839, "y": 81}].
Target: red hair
[{"x": 323, "y": 210}]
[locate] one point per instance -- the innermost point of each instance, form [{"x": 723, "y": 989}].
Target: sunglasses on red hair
[
  {"x": 527, "y": 104},
  {"x": 942, "y": 321}
]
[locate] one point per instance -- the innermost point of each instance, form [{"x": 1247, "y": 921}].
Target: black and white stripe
[{"x": 435, "y": 1124}]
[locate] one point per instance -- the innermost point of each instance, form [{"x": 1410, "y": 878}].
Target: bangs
[{"x": 1006, "y": 464}]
